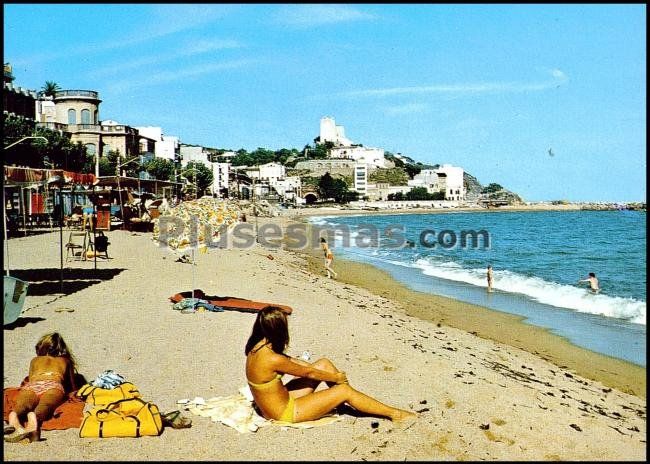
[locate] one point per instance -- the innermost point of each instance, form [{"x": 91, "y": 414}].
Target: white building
[
  {"x": 330, "y": 132},
  {"x": 167, "y": 146},
  {"x": 46, "y": 110},
  {"x": 344, "y": 148},
  {"x": 373, "y": 157},
  {"x": 445, "y": 178},
  {"x": 220, "y": 177},
  {"x": 381, "y": 190},
  {"x": 193, "y": 153},
  {"x": 268, "y": 172},
  {"x": 289, "y": 187},
  {"x": 227, "y": 156},
  {"x": 361, "y": 178}
]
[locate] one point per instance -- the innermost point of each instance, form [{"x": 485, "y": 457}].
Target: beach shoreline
[
  {"x": 489, "y": 323},
  {"x": 539, "y": 207}
]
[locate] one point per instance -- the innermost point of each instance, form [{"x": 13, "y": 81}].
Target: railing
[
  {"x": 77, "y": 93},
  {"x": 119, "y": 129},
  {"x": 80, "y": 127},
  {"x": 52, "y": 125}
]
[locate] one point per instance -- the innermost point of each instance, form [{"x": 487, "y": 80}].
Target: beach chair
[{"x": 78, "y": 241}]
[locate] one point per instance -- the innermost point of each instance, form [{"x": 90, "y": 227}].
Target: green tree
[
  {"x": 199, "y": 174},
  {"x": 326, "y": 186},
  {"x": 412, "y": 170},
  {"x": 418, "y": 193},
  {"x": 491, "y": 188},
  {"x": 108, "y": 163},
  {"x": 50, "y": 89},
  {"x": 438, "y": 195},
  {"x": 59, "y": 152},
  {"x": 160, "y": 168},
  {"x": 340, "y": 191},
  {"x": 320, "y": 151}
]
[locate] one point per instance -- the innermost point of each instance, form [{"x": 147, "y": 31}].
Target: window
[
  {"x": 72, "y": 116},
  {"x": 95, "y": 117},
  {"x": 85, "y": 116}
]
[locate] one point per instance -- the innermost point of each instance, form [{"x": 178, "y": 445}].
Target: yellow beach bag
[
  {"x": 132, "y": 417},
  {"x": 100, "y": 396}
]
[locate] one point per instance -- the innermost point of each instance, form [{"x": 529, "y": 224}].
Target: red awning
[{"x": 17, "y": 175}]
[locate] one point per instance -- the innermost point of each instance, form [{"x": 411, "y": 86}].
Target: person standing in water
[
  {"x": 490, "y": 278},
  {"x": 594, "y": 287}
]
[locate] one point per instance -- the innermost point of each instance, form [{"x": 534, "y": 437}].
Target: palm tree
[{"x": 50, "y": 89}]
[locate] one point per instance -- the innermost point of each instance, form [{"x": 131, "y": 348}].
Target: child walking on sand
[{"x": 51, "y": 378}]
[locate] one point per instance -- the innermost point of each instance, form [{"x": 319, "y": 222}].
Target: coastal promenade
[{"x": 478, "y": 398}]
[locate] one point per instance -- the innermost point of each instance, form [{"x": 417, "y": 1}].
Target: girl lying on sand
[
  {"x": 297, "y": 401},
  {"x": 51, "y": 378}
]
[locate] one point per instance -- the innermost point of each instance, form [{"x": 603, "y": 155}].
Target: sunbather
[
  {"x": 51, "y": 377},
  {"x": 297, "y": 400}
]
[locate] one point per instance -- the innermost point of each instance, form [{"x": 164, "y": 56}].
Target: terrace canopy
[{"x": 29, "y": 177}]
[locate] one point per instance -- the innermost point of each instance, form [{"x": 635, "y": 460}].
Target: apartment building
[{"x": 445, "y": 178}]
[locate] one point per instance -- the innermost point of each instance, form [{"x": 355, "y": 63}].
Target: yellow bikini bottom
[{"x": 287, "y": 414}]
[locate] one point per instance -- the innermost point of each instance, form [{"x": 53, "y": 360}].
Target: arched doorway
[{"x": 311, "y": 198}]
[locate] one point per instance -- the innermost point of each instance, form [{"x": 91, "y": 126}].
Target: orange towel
[
  {"x": 229, "y": 302},
  {"x": 67, "y": 416}
]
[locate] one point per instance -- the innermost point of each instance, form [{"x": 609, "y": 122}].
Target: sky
[{"x": 548, "y": 100}]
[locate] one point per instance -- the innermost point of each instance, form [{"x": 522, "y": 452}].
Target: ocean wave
[{"x": 550, "y": 293}]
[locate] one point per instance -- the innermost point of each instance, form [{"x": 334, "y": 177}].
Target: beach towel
[
  {"x": 67, "y": 416},
  {"x": 230, "y": 303},
  {"x": 237, "y": 411}
]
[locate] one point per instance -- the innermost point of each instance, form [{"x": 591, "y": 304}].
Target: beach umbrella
[{"x": 195, "y": 225}]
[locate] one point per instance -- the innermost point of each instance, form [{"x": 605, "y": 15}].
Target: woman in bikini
[
  {"x": 51, "y": 377},
  {"x": 297, "y": 400},
  {"x": 329, "y": 256}
]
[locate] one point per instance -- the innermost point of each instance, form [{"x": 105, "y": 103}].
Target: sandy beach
[{"x": 488, "y": 387}]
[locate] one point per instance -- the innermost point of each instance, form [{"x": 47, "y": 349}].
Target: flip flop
[
  {"x": 9, "y": 429},
  {"x": 20, "y": 435},
  {"x": 176, "y": 420}
]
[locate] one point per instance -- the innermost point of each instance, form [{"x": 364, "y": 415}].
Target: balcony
[
  {"x": 77, "y": 93},
  {"x": 118, "y": 129},
  {"x": 53, "y": 126},
  {"x": 84, "y": 127}
]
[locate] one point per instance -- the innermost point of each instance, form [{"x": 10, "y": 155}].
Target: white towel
[{"x": 237, "y": 411}]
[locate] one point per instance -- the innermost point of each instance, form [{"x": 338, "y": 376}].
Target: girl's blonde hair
[{"x": 52, "y": 344}]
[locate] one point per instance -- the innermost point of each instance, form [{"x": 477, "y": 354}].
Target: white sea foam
[{"x": 550, "y": 293}]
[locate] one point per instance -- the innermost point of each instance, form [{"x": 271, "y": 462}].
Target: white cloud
[
  {"x": 194, "y": 48},
  {"x": 314, "y": 15},
  {"x": 408, "y": 108},
  {"x": 175, "y": 75},
  {"x": 165, "y": 20},
  {"x": 462, "y": 89}
]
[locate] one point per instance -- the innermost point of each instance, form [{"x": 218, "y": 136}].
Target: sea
[{"x": 537, "y": 257}]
